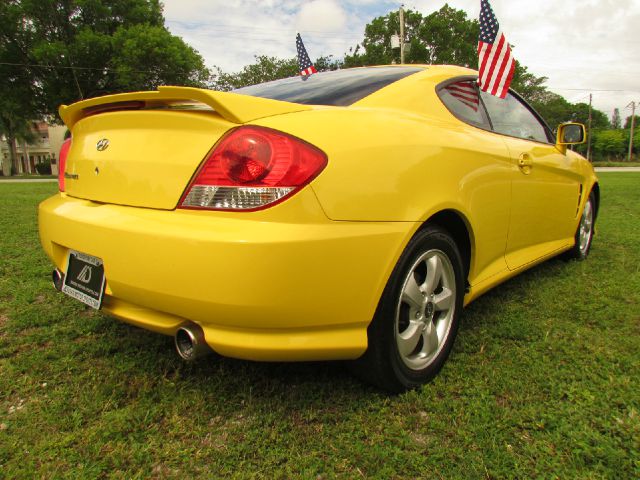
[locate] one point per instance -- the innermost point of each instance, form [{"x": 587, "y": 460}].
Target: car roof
[{"x": 417, "y": 92}]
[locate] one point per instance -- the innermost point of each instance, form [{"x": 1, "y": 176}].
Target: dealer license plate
[{"x": 84, "y": 280}]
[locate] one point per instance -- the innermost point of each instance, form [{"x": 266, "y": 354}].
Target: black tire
[
  {"x": 584, "y": 232},
  {"x": 398, "y": 315}
]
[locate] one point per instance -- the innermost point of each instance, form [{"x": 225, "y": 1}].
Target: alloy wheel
[
  {"x": 586, "y": 228},
  {"x": 425, "y": 309}
]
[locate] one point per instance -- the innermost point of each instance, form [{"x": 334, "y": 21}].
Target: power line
[
  {"x": 593, "y": 90},
  {"x": 278, "y": 35},
  {"x": 106, "y": 70},
  {"x": 253, "y": 28},
  {"x": 244, "y": 28},
  {"x": 62, "y": 67}
]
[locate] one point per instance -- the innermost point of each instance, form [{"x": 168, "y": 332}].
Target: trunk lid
[{"x": 142, "y": 149}]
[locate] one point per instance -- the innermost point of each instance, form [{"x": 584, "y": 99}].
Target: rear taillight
[
  {"x": 252, "y": 168},
  {"x": 62, "y": 162}
]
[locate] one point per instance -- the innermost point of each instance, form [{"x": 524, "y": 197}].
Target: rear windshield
[{"x": 338, "y": 88}]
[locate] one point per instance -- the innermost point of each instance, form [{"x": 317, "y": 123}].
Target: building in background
[{"x": 44, "y": 150}]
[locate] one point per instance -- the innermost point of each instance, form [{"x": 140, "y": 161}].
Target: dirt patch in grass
[
  {"x": 41, "y": 298},
  {"x": 4, "y": 320}
]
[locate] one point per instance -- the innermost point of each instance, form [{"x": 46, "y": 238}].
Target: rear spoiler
[{"x": 233, "y": 107}]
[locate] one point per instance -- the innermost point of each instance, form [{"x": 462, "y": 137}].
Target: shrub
[{"x": 44, "y": 167}]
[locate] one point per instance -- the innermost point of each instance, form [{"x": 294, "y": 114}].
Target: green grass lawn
[
  {"x": 28, "y": 177},
  {"x": 543, "y": 382}
]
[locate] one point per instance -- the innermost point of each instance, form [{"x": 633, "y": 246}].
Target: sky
[{"x": 591, "y": 46}]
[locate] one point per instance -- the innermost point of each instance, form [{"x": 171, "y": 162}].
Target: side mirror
[{"x": 571, "y": 134}]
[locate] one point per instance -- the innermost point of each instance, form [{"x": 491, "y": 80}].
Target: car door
[
  {"x": 545, "y": 189},
  {"x": 488, "y": 183}
]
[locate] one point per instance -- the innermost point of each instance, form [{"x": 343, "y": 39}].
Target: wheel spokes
[
  {"x": 434, "y": 274},
  {"x": 408, "y": 339},
  {"x": 431, "y": 342},
  {"x": 443, "y": 300},
  {"x": 425, "y": 309},
  {"x": 587, "y": 210},
  {"x": 412, "y": 295},
  {"x": 586, "y": 224}
]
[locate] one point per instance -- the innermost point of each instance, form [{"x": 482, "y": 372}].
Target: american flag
[
  {"x": 495, "y": 62},
  {"x": 306, "y": 67},
  {"x": 466, "y": 93}
]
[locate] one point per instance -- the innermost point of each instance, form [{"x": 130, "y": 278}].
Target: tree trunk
[
  {"x": 13, "y": 153},
  {"x": 27, "y": 164}
]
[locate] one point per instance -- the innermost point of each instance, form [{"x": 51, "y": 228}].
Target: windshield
[{"x": 338, "y": 88}]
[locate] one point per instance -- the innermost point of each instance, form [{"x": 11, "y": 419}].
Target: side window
[
  {"x": 511, "y": 117},
  {"x": 461, "y": 98}
]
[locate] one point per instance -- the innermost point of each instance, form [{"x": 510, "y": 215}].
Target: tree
[
  {"x": 149, "y": 56},
  {"x": 65, "y": 50},
  {"x": 530, "y": 87},
  {"x": 599, "y": 119},
  {"x": 616, "y": 122},
  {"x": 610, "y": 143},
  {"x": 450, "y": 37},
  {"x": 376, "y": 44},
  {"x": 445, "y": 36},
  {"x": 266, "y": 69},
  {"x": 555, "y": 109},
  {"x": 627, "y": 123},
  {"x": 328, "y": 63},
  {"x": 17, "y": 89},
  {"x": 96, "y": 47}
]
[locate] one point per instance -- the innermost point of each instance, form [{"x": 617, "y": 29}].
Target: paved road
[{"x": 617, "y": 169}]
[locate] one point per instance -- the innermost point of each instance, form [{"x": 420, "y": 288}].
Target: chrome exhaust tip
[
  {"x": 190, "y": 343},
  {"x": 58, "y": 279}
]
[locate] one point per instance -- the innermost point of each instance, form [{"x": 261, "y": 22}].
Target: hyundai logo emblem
[{"x": 102, "y": 144}]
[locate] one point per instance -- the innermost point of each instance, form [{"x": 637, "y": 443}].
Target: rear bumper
[{"x": 261, "y": 288}]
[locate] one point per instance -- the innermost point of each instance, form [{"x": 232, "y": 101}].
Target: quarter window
[
  {"x": 462, "y": 99},
  {"x": 511, "y": 117}
]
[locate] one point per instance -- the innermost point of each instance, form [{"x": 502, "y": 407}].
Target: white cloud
[
  {"x": 229, "y": 35},
  {"x": 321, "y": 15}
]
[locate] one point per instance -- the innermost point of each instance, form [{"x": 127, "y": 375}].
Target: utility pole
[
  {"x": 589, "y": 130},
  {"x": 633, "y": 121},
  {"x": 401, "y": 34}
]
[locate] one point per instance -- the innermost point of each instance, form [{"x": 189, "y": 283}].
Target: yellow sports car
[{"x": 347, "y": 215}]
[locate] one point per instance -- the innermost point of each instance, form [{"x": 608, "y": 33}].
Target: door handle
[{"x": 525, "y": 161}]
